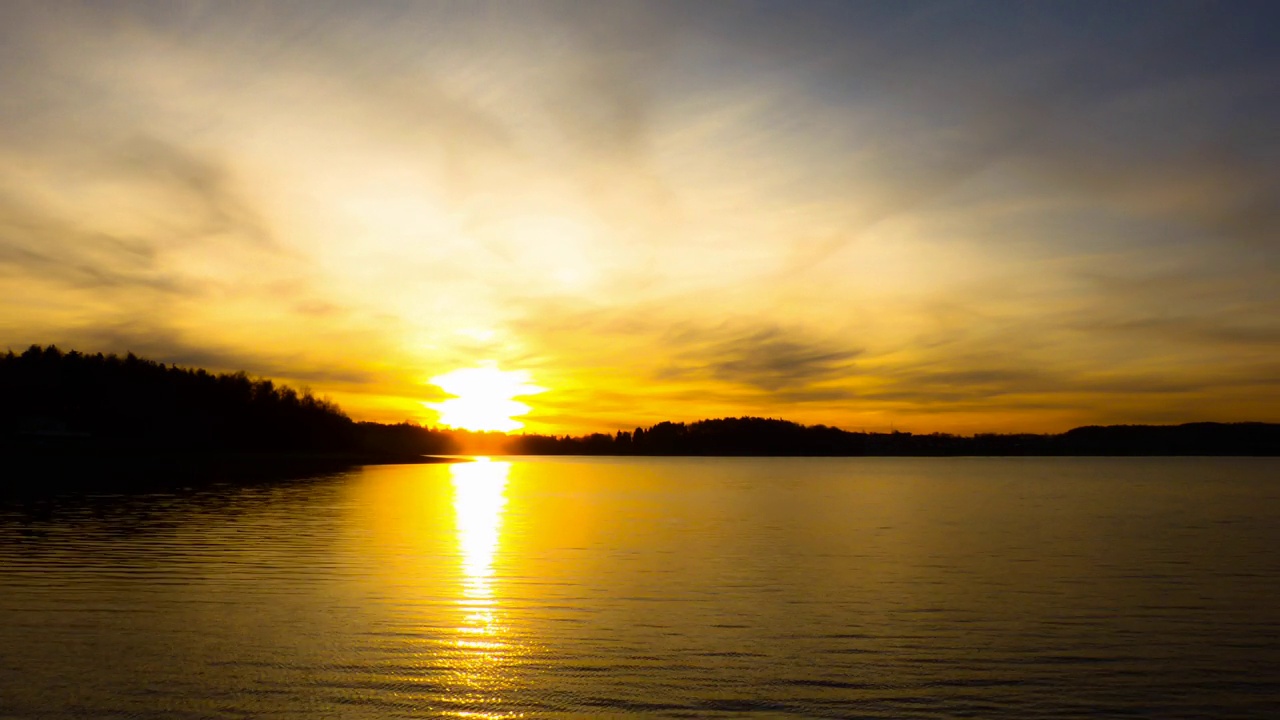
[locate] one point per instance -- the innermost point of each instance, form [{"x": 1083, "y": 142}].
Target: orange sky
[{"x": 922, "y": 217}]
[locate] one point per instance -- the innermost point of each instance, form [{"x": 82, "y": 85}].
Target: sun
[{"x": 483, "y": 398}]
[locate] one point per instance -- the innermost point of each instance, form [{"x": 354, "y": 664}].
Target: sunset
[
  {"x": 849, "y": 214},
  {"x": 483, "y": 399},
  {"x": 640, "y": 358}
]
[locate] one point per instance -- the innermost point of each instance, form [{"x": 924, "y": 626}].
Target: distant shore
[{"x": 71, "y": 419}]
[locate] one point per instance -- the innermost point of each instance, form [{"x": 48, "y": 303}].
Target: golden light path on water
[{"x": 479, "y": 498}]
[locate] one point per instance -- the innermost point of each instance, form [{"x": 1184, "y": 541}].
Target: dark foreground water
[{"x": 894, "y": 588}]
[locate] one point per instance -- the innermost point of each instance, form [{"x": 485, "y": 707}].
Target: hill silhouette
[
  {"x": 753, "y": 436},
  {"x": 65, "y": 406}
]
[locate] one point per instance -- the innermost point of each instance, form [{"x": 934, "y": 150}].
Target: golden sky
[{"x": 918, "y": 216}]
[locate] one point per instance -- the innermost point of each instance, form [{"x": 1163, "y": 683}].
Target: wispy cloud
[
  {"x": 921, "y": 212},
  {"x": 768, "y": 358}
]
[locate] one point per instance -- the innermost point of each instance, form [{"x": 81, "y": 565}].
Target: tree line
[
  {"x": 77, "y": 402},
  {"x": 754, "y": 436},
  {"x": 63, "y": 402}
]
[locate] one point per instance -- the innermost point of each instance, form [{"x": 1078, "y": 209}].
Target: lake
[{"x": 679, "y": 587}]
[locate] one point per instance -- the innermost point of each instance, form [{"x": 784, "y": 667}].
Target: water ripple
[{"x": 849, "y": 588}]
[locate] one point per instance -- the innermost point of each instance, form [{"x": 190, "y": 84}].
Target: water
[{"x": 894, "y": 588}]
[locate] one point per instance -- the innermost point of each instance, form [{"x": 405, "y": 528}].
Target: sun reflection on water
[{"x": 479, "y": 499}]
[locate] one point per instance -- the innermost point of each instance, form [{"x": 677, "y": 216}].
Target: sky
[{"x": 925, "y": 216}]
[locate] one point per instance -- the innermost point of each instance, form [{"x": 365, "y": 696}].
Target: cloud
[
  {"x": 737, "y": 356},
  {"x": 922, "y": 387},
  {"x": 201, "y": 192},
  {"x": 1162, "y": 122},
  {"x": 769, "y": 358},
  {"x": 1198, "y": 331},
  {"x": 45, "y": 246},
  {"x": 768, "y": 208},
  {"x": 157, "y": 341},
  {"x": 123, "y": 216}
]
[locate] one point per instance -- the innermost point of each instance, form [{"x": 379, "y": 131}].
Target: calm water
[{"x": 903, "y": 588}]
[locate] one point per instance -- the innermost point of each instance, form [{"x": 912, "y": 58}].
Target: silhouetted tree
[
  {"x": 105, "y": 401},
  {"x": 73, "y": 400}
]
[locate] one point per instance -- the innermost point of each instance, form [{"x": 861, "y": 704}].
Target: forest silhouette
[{"x": 68, "y": 406}]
